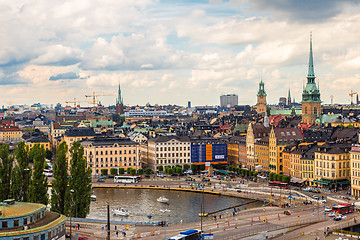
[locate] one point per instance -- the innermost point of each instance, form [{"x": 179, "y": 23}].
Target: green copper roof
[
  {"x": 311, "y": 93},
  {"x": 261, "y": 89},
  {"x": 119, "y": 99},
  {"x": 311, "y": 73}
]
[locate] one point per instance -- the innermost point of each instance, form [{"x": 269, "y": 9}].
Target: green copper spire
[
  {"x": 261, "y": 89},
  {"x": 311, "y": 74},
  {"x": 311, "y": 92},
  {"x": 119, "y": 99}
]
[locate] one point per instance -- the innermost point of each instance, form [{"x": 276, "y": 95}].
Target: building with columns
[{"x": 311, "y": 103}]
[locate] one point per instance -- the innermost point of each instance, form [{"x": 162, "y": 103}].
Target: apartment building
[
  {"x": 111, "y": 152},
  {"x": 355, "y": 170},
  {"x": 332, "y": 165},
  {"x": 166, "y": 151},
  {"x": 278, "y": 140},
  {"x": 254, "y": 132}
]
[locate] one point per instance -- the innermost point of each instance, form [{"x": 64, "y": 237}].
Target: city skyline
[{"x": 158, "y": 50}]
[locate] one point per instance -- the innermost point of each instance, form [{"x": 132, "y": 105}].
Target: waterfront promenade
[{"x": 305, "y": 221}]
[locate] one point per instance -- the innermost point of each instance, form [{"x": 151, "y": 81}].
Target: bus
[
  {"x": 343, "y": 208},
  {"x": 126, "y": 179},
  {"x": 278, "y": 184},
  {"x": 191, "y": 234},
  {"x": 48, "y": 172}
]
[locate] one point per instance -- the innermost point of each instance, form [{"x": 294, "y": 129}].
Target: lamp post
[
  {"x": 71, "y": 192},
  {"x": 165, "y": 211}
]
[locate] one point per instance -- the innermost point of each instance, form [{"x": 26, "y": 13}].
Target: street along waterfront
[{"x": 141, "y": 203}]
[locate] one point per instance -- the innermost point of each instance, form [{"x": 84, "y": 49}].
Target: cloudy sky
[{"x": 170, "y": 52}]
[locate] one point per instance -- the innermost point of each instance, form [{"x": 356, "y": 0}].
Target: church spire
[
  {"x": 311, "y": 73},
  {"x": 119, "y": 99}
]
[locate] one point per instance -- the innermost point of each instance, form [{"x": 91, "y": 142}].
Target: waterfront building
[
  {"x": 278, "y": 140},
  {"x": 332, "y": 165},
  {"x": 237, "y": 151},
  {"x": 261, "y": 99},
  {"x": 262, "y": 155},
  {"x": 355, "y": 170},
  {"x": 228, "y": 100},
  {"x": 254, "y": 132},
  {"x": 111, "y": 152},
  {"x": 308, "y": 165},
  {"x": 166, "y": 151},
  {"x": 286, "y": 160},
  {"x": 30, "y": 221},
  {"x": 209, "y": 149},
  {"x": 311, "y": 103}
]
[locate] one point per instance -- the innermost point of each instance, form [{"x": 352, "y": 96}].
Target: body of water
[{"x": 141, "y": 203}]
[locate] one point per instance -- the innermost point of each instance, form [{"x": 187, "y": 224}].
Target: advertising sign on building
[{"x": 219, "y": 156}]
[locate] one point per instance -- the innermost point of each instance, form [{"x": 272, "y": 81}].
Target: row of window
[
  {"x": 332, "y": 165},
  {"x": 343, "y": 173},
  {"x": 115, "y": 152},
  {"x": 165, "y": 161},
  {"x": 111, "y": 165},
  {"x": 45, "y": 236},
  {"x": 115, "y": 159},
  {"x": 172, "y": 155},
  {"x": 172, "y": 148},
  {"x": 173, "y": 143},
  {"x": 327, "y": 157},
  {"x": 29, "y": 219}
]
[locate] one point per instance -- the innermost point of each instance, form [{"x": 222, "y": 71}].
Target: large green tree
[
  {"x": 22, "y": 173},
  {"x": 60, "y": 190},
  {"x": 79, "y": 182},
  {"x": 38, "y": 185},
  {"x": 6, "y": 169}
]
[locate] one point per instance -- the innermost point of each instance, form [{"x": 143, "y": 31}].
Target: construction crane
[
  {"x": 351, "y": 94},
  {"x": 95, "y": 96},
  {"x": 74, "y": 102}
]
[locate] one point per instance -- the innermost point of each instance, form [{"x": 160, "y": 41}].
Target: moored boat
[
  {"x": 120, "y": 212},
  {"x": 163, "y": 199}
]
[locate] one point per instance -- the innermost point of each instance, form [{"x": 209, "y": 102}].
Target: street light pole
[
  {"x": 165, "y": 211},
  {"x": 71, "y": 191}
]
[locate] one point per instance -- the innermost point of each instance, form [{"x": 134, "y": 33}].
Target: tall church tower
[
  {"x": 261, "y": 99},
  {"x": 119, "y": 103},
  {"x": 311, "y": 103}
]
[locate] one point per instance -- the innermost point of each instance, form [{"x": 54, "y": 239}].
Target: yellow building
[
  {"x": 355, "y": 170},
  {"x": 77, "y": 134},
  {"x": 286, "y": 160},
  {"x": 10, "y": 134},
  {"x": 278, "y": 140},
  {"x": 332, "y": 165},
  {"x": 111, "y": 152},
  {"x": 262, "y": 154},
  {"x": 45, "y": 143},
  {"x": 308, "y": 165},
  {"x": 254, "y": 132}
]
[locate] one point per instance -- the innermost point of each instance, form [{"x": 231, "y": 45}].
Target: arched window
[{"x": 305, "y": 110}]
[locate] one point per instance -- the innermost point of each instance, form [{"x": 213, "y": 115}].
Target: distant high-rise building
[
  {"x": 119, "y": 102},
  {"x": 311, "y": 103},
  {"x": 261, "y": 99},
  {"x": 228, "y": 100},
  {"x": 189, "y": 104},
  {"x": 282, "y": 101}
]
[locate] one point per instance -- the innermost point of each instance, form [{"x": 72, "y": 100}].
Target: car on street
[
  {"x": 328, "y": 209},
  {"x": 161, "y": 175},
  {"x": 82, "y": 237},
  {"x": 308, "y": 189},
  {"x": 337, "y": 218},
  {"x": 332, "y": 214},
  {"x": 100, "y": 180},
  {"x": 315, "y": 197},
  {"x": 323, "y": 200}
]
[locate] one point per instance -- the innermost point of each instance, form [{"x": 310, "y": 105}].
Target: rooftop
[{"x": 19, "y": 209}]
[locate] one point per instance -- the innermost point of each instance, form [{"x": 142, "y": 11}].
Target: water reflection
[{"x": 143, "y": 203}]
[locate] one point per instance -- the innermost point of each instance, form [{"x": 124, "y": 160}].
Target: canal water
[{"x": 141, "y": 203}]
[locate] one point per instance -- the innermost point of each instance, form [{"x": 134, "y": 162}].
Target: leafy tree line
[
  {"x": 279, "y": 177},
  {"x": 24, "y": 183},
  {"x": 19, "y": 181}
]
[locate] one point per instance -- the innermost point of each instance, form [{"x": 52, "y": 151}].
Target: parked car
[
  {"x": 161, "y": 175},
  {"x": 308, "y": 189},
  {"x": 323, "y": 201},
  {"x": 188, "y": 172},
  {"x": 100, "y": 180},
  {"x": 337, "y": 218},
  {"x": 332, "y": 214}
]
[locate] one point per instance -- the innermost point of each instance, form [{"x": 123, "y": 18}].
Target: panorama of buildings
[{"x": 314, "y": 144}]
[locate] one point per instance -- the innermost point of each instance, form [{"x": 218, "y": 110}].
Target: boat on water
[
  {"x": 163, "y": 199},
  {"x": 120, "y": 212},
  {"x": 93, "y": 197}
]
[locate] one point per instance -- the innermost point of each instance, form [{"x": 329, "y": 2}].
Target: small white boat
[
  {"x": 163, "y": 200},
  {"x": 120, "y": 212},
  {"x": 93, "y": 197}
]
